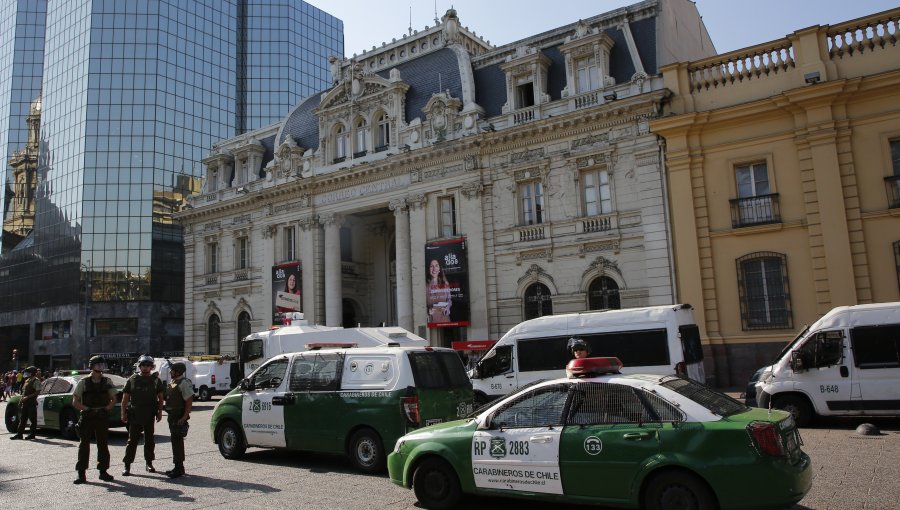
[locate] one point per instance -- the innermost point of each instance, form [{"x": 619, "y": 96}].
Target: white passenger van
[
  {"x": 214, "y": 377},
  {"x": 652, "y": 340},
  {"x": 846, "y": 364},
  {"x": 258, "y": 347}
]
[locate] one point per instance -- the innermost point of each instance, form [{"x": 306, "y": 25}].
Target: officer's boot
[
  {"x": 81, "y": 478},
  {"x": 106, "y": 477},
  {"x": 127, "y": 470},
  {"x": 150, "y": 468},
  {"x": 177, "y": 472},
  {"x": 17, "y": 436}
]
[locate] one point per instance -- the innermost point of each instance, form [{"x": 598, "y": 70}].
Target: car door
[
  {"x": 262, "y": 415},
  {"x": 822, "y": 373},
  {"x": 314, "y": 411},
  {"x": 519, "y": 448},
  {"x": 46, "y": 407},
  {"x": 609, "y": 436}
]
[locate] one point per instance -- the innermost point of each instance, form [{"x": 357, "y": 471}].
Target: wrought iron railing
[{"x": 757, "y": 210}]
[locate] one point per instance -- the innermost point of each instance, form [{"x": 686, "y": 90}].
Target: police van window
[
  {"x": 690, "y": 343},
  {"x": 270, "y": 375},
  {"x": 633, "y": 348},
  {"x": 541, "y": 407},
  {"x": 251, "y": 349},
  {"x": 602, "y": 404},
  {"x": 823, "y": 350},
  {"x": 876, "y": 346},
  {"x": 437, "y": 370},
  {"x": 497, "y": 361},
  {"x": 317, "y": 372}
]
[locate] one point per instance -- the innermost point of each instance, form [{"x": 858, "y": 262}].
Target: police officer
[
  {"x": 579, "y": 348},
  {"x": 142, "y": 401},
  {"x": 31, "y": 386},
  {"x": 179, "y": 399},
  {"x": 95, "y": 397}
]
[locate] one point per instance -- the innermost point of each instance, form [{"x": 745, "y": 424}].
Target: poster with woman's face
[
  {"x": 286, "y": 291},
  {"x": 447, "y": 283}
]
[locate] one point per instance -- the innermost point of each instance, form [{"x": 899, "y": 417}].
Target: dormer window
[
  {"x": 587, "y": 60},
  {"x": 526, "y": 80},
  {"x": 587, "y": 75},
  {"x": 340, "y": 143},
  {"x": 382, "y": 132},
  {"x": 525, "y": 95},
  {"x": 362, "y": 138}
]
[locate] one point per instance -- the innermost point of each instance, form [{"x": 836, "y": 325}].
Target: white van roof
[
  {"x": 564, "y": 323},
  {"x": 859, "y": 315},
  {"x": 380, "y": 349}
]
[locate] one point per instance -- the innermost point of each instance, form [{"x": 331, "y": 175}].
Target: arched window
[
  {"x": 538, "y": 301},
  {"x": 243, "y": 326},
  {"x": 340, "y": 143},
  {"x": 604, "y": 294},
  {"x": 763, "y": 291},
  {"x": 362, "y": 138},
  {"x": 382, "y": 132},
  {"x": 212, "y": 335}
]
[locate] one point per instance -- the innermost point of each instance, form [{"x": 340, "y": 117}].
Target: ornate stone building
[
  {"x": 448, "y": 186},
  {"x": 784, "y": 160},
  {"x": 18, "y": 217}
]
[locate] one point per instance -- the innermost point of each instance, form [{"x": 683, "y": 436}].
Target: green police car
[
  {"x": 599, "y": 437},
  {"x": 54, "y": 405}
]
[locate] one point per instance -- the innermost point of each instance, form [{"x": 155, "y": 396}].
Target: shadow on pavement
[
  {"x": 191, "y": 480},
  {"x": 137, "y": 491}
]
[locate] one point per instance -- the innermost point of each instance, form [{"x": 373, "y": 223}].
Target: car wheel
[
  {"x": 12, "y": 418},
  {"x": 366, "y": 451},
  {"x": 68, "y": 424},
  {"x": 436, "y": 484},
  {"x": 797, "y": 406},
  {"x": 204, "y": 394},
  {"x": 678, "y": 490},
  {"x": 231, "y": 441}
]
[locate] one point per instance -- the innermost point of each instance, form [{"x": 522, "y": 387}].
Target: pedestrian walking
[
  {"x": 95, "y": 397},
  {"x": 142, "y": 407},
  {"x": 179, "y": 400},
  {"x": 31, "y": 386}
]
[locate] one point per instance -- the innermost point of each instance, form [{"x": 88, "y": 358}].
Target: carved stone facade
[{"x": 562, "y": 198}]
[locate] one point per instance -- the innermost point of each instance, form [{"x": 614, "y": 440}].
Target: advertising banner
[
  {"x": 287, "y": 284},
  {"x": 447, "y": 283}
]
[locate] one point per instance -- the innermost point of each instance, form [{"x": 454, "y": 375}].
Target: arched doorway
[
  {"x": 538, "y": 301},
  {"x": 603, "y": 294},
  {"x": 212, "y": 335},
  {"x": 243, "y": 328}
]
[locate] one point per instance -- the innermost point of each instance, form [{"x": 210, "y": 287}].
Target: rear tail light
[
  {"x": 411, "y": 409},
  {"x": 213, "y": 380},
  {"x": 766, "y": 439}
]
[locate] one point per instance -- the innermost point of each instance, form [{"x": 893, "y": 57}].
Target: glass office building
[{"x": 134, "y": 93}]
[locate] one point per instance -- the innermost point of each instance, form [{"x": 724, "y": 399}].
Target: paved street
[{"x": 851, "y": 472}]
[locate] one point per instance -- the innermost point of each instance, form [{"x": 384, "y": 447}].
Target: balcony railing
[
  {"x": 892, "y": 185},
  {"x": 531, "y": 233},
  {"x": 603, "y": 223},
  {"x": 758, "y": 210}
]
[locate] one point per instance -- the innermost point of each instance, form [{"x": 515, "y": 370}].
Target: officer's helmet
[
  {"x": 97, "y": 363},
  {"x": 146, "y": 360},
  {"x": 30, "y": 371},
  {"x": 578, "y": 344},
  {"x": 178, "y": 368}
]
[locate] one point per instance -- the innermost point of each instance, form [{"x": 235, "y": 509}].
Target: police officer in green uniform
[
  {"x": 95, "y": 397},
  {"x": 31, "y": 386},
  {"x": 179, "y": 399},
  {"x": 142, "y": 401}
]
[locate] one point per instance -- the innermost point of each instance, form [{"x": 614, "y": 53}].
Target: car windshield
[
  {"x": 717, "y": 403},
  {"x": 792, "y": 343}
]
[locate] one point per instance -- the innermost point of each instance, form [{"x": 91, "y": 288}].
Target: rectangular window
[
  {"x": 892, "y": 182},
  {"x": 362, "y": 137},
  {"x": 114, "y": 327},
  {"x": 587, "y": 75},
  {"x": 290, "y": 243},
  {"x": 876, "y": 346},
  {"x": 531, "y": 202},
  {"x": 763, "y": 289},
  {"x": 597, "y": 198},
  {"x": 383, "y": 133},
  {"x": 634, "y": 348},
  {"x": 243, "y": 253},
  {"x": 895, "y": 156},
  {"x": 525, "y": 95},
  {"x": 212, "y": 258},
  {"x": 752, "y": 180},
  {"x": 448, "y": 216},
  {"x": 756, "y": 204}
]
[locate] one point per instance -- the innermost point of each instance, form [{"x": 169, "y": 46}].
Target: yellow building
[{"x": 783, "y": 168}]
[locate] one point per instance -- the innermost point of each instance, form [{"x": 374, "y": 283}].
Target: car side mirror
[
  {"x": 797, "y": 362},
  {"x": 246, "y": 385}
]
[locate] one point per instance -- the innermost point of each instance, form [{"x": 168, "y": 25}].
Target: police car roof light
[
  {"x": 592, "y": 366},
  {"x": 315, "y": 346}
]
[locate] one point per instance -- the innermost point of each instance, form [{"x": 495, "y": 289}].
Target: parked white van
[
  {"x": 846, "y": 364},
  {"x": 163, "y": 366},
  {"x": 213, "y": 377},
  {"x": 256, "y": 348},
  {"x": 653, "y": 340}
]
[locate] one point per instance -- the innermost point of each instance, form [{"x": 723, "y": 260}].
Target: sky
[{"x": 732, "y": 24}]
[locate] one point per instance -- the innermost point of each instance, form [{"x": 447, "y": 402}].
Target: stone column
[
  {"x": 472, "y": 226},
  {"x": 308, "y": 227},
  {"x": 417, "y": 237},
  {"x": 404, "y": 291},
  {"x": 333, "y": 280}
]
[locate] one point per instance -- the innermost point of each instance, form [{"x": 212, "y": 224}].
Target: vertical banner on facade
[
  {"x": 447, "y": 283},
  {"x": 286, "y": 286}
]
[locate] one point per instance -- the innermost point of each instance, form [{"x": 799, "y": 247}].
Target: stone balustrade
[
  {"x": 737, "y": 67},
  {"x": 531, "y": 233},
  {"x": 863, "y": 34}
]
